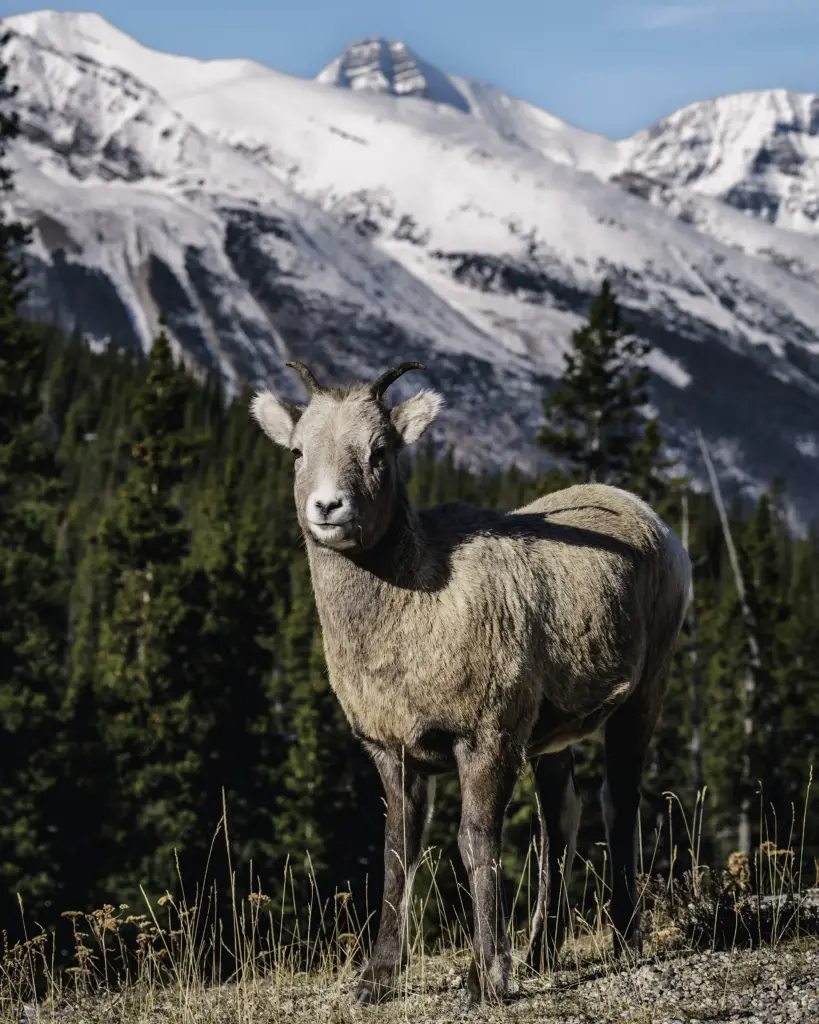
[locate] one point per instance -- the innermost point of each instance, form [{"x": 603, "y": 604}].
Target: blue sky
[{"x": 606, "y": 65}]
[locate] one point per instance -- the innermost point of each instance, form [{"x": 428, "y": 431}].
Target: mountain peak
[
  {"x": 376, "y": 64},
  {"x": 69, "y": 31}
]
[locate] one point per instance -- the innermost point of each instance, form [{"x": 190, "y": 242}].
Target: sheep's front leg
[
  {"x": 488, "y": 772},
  {"x": 407, "y": 795}
]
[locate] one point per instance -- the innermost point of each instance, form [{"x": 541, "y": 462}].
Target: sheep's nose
[{"x": 325, "y": 507}]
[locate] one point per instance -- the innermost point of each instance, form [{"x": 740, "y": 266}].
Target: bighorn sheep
[{"x": 462, "y": 638}]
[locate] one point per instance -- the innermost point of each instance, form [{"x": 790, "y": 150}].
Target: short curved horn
[
  {"x": 380, "y": 384},
  {"x": 306, "y": 375}
]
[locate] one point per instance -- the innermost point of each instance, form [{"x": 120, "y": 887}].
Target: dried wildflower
[
  {"x": 669, "y": 936},
  {"x": 774, "y": 852},
  {"x": 737, "y": 877}
]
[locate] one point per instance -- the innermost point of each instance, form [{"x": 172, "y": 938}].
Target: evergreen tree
[
  {"x": 730, "y": 702},
  {"x": 328, "y": 784},
  {"x": 240, "y": 739},
  {"x": 32, "y": 593},
  {"x": 724, "y": 634},
  {"x": 308, "y": 712},
  {"x": 140, "y": 644},
  {"x": 798, "y": 684},
  {"x": 593, "y": 420}
]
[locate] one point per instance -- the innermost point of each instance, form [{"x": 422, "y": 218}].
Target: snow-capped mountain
[
  {"x": 757, "y": 152},
  {"x": 378, "y": 65},
  {"x": 387, "y": 210}
]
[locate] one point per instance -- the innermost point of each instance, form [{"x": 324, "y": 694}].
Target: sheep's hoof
[
  {"x": 473, "y": 985},
  {"x": 377, "y": 984},
  {"x": 534, "y": 964},
  {"x": 529, "y": 967},
  {"x": 489, "y": 993}
]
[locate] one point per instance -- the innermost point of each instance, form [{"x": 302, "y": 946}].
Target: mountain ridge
[{"x": 284, "y": 217}]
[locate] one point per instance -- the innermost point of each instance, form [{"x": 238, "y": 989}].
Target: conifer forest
[{"x": 161, "y": 667}]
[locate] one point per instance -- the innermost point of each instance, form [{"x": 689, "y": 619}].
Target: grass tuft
[{"x": 753, "y": 922}]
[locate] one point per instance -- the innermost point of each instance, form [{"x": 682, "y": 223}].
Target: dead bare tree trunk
[
  {"x": 754, "y": 660},
  {"x": 696, "y": 696}
]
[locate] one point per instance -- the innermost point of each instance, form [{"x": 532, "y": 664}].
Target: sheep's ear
[
  {"x": 275, "y": 417},
  {"x": 412, "y": 417}
]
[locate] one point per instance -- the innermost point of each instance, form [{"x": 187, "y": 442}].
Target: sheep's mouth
[{"x": 335, "y": 535}]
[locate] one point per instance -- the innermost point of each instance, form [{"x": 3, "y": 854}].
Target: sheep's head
[{"x": 346, "y": 443}]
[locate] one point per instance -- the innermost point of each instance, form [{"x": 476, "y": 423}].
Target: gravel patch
[
  {"x": 762, "y": 986},
  {"x": 754, "y": 987}
]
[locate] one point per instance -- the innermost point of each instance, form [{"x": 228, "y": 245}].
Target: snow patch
[{"x": 667, "y": 368}]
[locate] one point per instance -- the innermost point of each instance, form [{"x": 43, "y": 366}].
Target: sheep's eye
[
  {"x": 297, "y": 453},
  {"x": 378, "y": 455}
]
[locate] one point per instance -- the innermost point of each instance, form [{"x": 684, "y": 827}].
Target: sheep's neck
[{"x": 351, "y": 589}]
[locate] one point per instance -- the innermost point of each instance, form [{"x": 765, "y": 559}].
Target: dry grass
[{"x": 711, "y": 938}]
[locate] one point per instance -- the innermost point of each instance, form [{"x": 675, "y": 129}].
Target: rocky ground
[
  {"x": 757, "y": 987},
  {"x": 763, "y": 986},
  {"x": 712, "y": 955}
]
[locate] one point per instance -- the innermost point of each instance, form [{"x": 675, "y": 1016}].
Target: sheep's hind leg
[
  {"x": 408, "y": 804},
  {"x": 488, "y": 773},
  {"x": 628, "y": 733},
  {"x": 559, "y": 808}
]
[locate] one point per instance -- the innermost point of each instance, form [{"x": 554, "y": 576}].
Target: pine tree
[
  {"x": 798, "y": 685},
  {"x": 241, "y": 741},
  {"x": 723, "y": 740},
  {"x": 32, "y": 593},
  {"x": 648, "y": 472},
  {"x": 308, "y": 712},
  {"x": 327, "y": 781},
  {"x": 593, "y": 420},
  {"x": 139, "y": 672}
]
